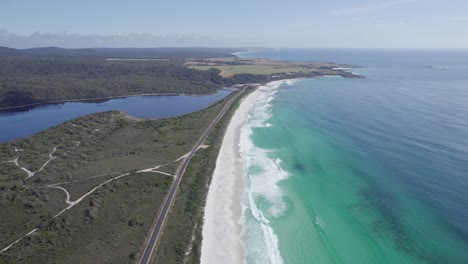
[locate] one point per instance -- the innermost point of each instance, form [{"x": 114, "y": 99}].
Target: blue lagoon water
[
  {"x": 18, "y": 124},
  {"x": 368, "y": 170}
]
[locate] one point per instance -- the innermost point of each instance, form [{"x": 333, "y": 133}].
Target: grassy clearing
[
  {"x": 230, "y": 67},
  {"x": 228, "y": 71}
]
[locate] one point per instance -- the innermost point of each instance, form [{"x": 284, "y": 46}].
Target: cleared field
[
  {"x": 232, "y": 66},
  {"x": 228, "y": 71}
]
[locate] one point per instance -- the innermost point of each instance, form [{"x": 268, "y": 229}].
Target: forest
[
  {"x": 42, "y": 75},
  {"x": 30, "y": 80}
]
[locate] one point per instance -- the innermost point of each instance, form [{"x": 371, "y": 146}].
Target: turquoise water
[{"x": 361, "y": 171}]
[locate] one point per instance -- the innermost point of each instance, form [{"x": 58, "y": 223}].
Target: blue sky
[{"x": 293, "y": 23}]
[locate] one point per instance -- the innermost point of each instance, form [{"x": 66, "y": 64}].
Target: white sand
[{"x": 222, "y": 228}]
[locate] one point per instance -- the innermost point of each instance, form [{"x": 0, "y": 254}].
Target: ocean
[{"x": 370, "y": 170}]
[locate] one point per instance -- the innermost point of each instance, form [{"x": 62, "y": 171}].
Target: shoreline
[
  {"x": 345, "y": 74},
  {"x": 18, "y": 108},
  {"x": 222, "y": 224}
]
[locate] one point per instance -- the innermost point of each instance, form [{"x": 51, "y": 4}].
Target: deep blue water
[
  {"x": 25, "y": 123},
  {"x": 382, "y": 159}
]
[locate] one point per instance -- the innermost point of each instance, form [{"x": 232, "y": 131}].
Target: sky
[{"x": 239, "y": 23}]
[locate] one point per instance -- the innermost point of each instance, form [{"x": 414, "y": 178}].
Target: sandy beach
[{"x": 222, "y": 229}]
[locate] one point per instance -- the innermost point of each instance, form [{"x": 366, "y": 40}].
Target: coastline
[
  {"x": 222, "y": 226},
  {"x": 343, "y": 71}
]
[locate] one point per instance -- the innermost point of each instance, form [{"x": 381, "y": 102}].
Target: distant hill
[
  {"x": 168, "y": 53},
  {"x": 4, "y": 51},
  {"x": 56, "y": 51}
]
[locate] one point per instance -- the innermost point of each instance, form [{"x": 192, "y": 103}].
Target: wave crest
[{"x": 263, "y": 197}]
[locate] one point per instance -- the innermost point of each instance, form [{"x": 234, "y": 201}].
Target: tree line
[{"x": 35, "y": 80}]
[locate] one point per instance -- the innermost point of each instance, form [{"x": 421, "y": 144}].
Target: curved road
[{"x": 156, "y": 230}]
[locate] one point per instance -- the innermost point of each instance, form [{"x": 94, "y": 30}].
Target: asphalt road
[{"x": 156, "y": 230}]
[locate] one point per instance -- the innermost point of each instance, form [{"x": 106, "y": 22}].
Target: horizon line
[{"x": 241, "y": 47}]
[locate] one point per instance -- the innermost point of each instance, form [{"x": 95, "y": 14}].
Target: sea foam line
[{"x": 261, "y": 185}]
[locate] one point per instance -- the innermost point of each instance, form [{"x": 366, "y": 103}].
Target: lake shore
[
  {"x": 222, "y": 227},
  {"x": 96, "y": 99}
]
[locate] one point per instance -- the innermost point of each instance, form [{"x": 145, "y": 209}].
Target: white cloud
[{"x": 356, "y": 10}]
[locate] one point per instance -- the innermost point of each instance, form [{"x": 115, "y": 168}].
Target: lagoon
[{"x": 18, "y": 124}]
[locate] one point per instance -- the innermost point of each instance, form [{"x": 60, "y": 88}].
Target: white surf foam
[
  {"x": 263, "y": 197},
  {"x": 342, "y": 69},
  {"x": 292, "y": 81},
  {"x": 447, "y": 67},
  {"x": 263, "y": 184},
  {"x": 240, "y": 54},
  {"x": 319, "y": 222}
]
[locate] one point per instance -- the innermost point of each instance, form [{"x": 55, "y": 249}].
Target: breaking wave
[{"x": 263, "y": 199}]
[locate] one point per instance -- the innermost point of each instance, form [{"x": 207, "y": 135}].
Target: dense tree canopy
[
  {"x": 42, "y": 75},
  {"x": 33, "y": 80}
]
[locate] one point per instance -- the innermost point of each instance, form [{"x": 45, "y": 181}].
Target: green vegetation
[
  {"x": 93, "y": 185},
  {"x": 231, "y": 68},
  {"x": 108, "y": 151},
  {"x": 34, "y": 76},
  {"x": 30, "y": 80},
  {"x": 180, "y": 241}
]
